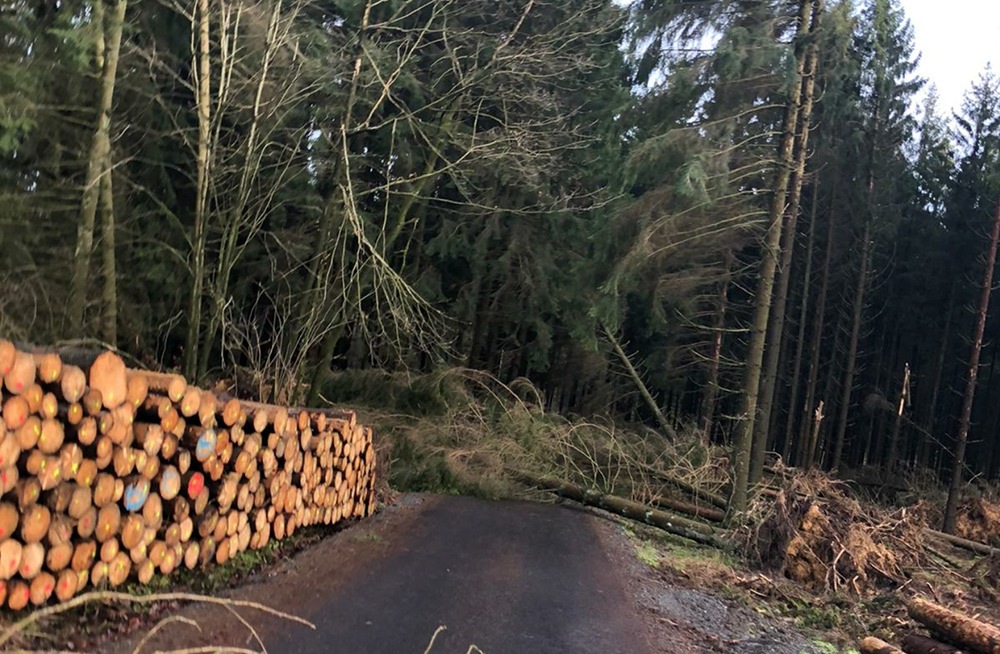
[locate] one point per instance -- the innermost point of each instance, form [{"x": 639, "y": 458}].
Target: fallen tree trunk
[
  {"x": 955, "y": 627},
  {"x": 668, "y": 428},
  {"x": 971, "y": 545},
  {"x": 703, "y": 512},
  {"x": 698, "y": 532},
  {"x": 872, "y": 645},
  {"x": 916, "y": 644}
]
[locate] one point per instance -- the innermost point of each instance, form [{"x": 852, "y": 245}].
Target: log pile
[
  {"x": 112, "y": 474},
  {"x": 950, "y": 633}
]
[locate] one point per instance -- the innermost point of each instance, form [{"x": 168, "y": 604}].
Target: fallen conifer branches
[{"x": 698, "y": 493}]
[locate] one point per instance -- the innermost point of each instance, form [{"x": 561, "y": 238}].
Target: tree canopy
[{"x": 755, "y": 213}]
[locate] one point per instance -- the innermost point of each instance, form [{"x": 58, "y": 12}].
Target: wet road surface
[{"x": 507, "y": 577}]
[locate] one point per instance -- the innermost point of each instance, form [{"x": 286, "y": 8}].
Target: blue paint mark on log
[
  {"x": 136, "y": 494},
  {"x": 206, "y": 445}
]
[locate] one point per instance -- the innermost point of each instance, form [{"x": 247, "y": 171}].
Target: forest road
[{"x": 507, "y": 577}]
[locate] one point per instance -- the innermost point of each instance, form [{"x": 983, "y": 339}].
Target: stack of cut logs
[
  {"x": 113, "y": 474},
  {"x": 950, "y": 633}
]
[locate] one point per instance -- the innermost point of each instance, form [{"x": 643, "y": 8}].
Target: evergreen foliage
[{"x": 393, "y": 186}]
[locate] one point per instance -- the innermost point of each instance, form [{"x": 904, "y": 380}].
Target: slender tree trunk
[
  {"x": 109, "y": 293},
  {"x": 711, "y": 396},
  {"x": 800, "y": 339},
  {"x": 830, "y": 386},
  {"x": 923, "y": 455},
  {"x": 108, "y": 50},
  {"x": 805, "y": 458},
  {"x": 857, "y": 316},
  {"x": 203, "y": 86},
  {"x": 772, "y": 244},
  {"x": 970, "y": 388},
  {"x": 668, "y": 429},
  {"x": 776, "y": 322}
]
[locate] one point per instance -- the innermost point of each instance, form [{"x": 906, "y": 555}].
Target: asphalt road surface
[
  {"x": 509, "y": 578},
  {"x": 506, "y": 577}
]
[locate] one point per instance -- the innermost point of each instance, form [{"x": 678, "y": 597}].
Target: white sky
[{"x": 956, "y": 39}]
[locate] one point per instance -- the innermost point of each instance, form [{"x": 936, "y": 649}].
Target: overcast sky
[{"x": 956, "y": 39}]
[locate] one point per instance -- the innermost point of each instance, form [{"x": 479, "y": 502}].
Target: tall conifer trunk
[
  {"x": 771, "y": 248},
  {"x": 800, "y": 339},
  {"x": 109, "y": 291},
  {"x": 857, "y": 317},
  {"x": 923, "y": 451},
  {"x": 970, "y": 387},
  {"x": 776, "y": 323},
  {"x": 805, "y": 455}
]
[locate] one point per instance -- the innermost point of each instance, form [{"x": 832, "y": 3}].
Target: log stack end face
[{"x": 110, "y": 474}]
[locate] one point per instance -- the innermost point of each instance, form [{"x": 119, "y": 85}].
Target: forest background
[{"x": 721, "y": 216}]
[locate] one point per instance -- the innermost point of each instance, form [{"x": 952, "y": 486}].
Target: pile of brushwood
[
  {"x": 814, "y": 531},
  {"x": 979, "y": 520}
]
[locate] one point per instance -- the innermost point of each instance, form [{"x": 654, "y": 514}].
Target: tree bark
[
  {"x": 965, "y": 544},
  {"x": 747, "y": 414},
  {"x": 108, "y": 50},
  {"x": 916, "y": 644},
  {"x": 904, "y": 397},
  {"x": 970, "y": 388},
  {"x": 955, "y": 627},
  {"x": 703, "y": 512}
]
